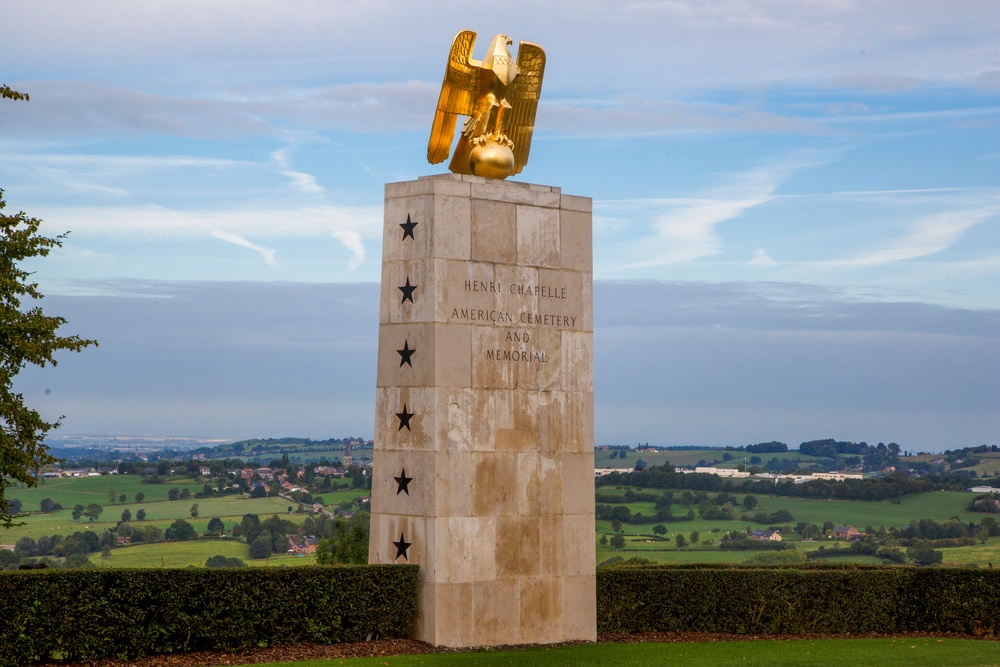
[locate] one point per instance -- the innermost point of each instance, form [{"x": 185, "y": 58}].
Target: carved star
[
  {"x": 405, "y": 354},
  {"x": 408, "y": 228},
  {"x": 401, "y": 547},
  {"x": 404, "y": 418},
  {"x": 407, "y": 291},
  {"x": 403, "y": 481}
]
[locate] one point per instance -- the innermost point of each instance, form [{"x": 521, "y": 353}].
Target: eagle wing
[
  {"x": 523, "y": 94},
  {"x": 458, "y": 96}
]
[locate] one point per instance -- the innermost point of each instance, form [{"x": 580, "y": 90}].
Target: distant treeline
[{"x": 894, "y": 485}]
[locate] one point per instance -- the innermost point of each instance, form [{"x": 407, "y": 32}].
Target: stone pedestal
[{"x": 484, "y": 454}]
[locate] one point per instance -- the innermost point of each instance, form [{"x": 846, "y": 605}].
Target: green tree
[
  {"x": 345, "y": 541},
  {"x": 750, "y": 503},
  {"x": 77, "y": 560},
  {"x": 261, "y": 548},
  {"x": 112, "y": 496},
  {"x": 223, "y": 561},
  {"x": 173, "y": 493},
  {"x": 695, "y": 536},
  {"x": 121, "y": 498},
  {"x": 78, "y": 512},
  {"x": 180, "y": 530},
  {"x": 140, "y": 515},
  {"x": 93, "y": 511},
  {"x": 47, "y": 505},
  {"x": 922, "y": 553},
  {"x": 618, "y": 541},
  {"x": 681, "y": 542},
  {"x": 139, "y": 497},
  {"x": 126, "y": 515},
  {"x": 30, "y": 338},
  {"x": 215, "y": 526},
  {"x": 660, "y": 529},
  {"x": 604, "y": 540},
  {"x": 194, "y": 511}
]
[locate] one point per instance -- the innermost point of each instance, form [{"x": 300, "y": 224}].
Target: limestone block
[
  {"x": 453, "y": 625},
  {"x": 495, "y": 490},
  {"x": 495, "y": 605},
  {"x": 464, "y": 422},
  {"x": 576, "y": 203},
  {"x": 418, "y": 209},
  {"x": 577, "y": 536},
  {"x": 517, "y": 541},
  {"x": 450, "y": 233},
  {"x": 578, "y": 354},
  {"x": 393, "y": 430},
  {"x": 455, "y": 478},
  {"x": 537, "y": 236},
  {"x": 539, "y": 484},
  {"x": 580, "y": 607},
  {"x": 493, "y": 232},
  {"x": 578, "y": 497},
  {"x": 443, "y": 184},
  {"x": 513, "y": 192},
  {"x": 563, "y": 298},
  {"x": 406, "y": 354},
  {"x": 465, "y": 292},
  {"x": 553, "y": 550},
  {"x": 541, "y": 607},
  {"x": 413, "y": 492},
  {"x": 515, "y": 421},
  {"x": 465, "y": 549},
  {"x": 397, "y": 277},
  {"x": 587, "y": 296},
  {"x": 576, "y": 240},
  {"x": 388, "y": 530},
  {"x": 451, "y": 356}
]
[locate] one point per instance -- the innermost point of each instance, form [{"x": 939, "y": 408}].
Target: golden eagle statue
[{"x": 499, "y": 96}]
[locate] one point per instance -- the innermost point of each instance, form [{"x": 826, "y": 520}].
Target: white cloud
[
  {"x": 928, "y": 235},
  {"x": 761, "y": 259},
  {"x": 154, "y": 222},
  {"x": 682, "y": 230},
  {"x": 266, "y": 253}
]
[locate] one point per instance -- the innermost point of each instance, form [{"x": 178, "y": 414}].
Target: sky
[{"x": 796, "y": 207}]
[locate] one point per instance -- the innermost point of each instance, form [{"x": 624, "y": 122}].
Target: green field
[
  {"x": 906, "y": 652},
  {"x": 192, "y": 552},
  {"x": 939, "y": 505},
  {"x": 692, "y": 457},
  {"x": 161, "y": 514}
]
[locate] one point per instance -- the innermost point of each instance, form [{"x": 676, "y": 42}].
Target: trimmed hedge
[
  {"x": 816, "y": 599},
  {"x": 88, "y": 614}
]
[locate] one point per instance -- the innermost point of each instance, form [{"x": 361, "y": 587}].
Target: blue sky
[{"x": 803, "y": 198}]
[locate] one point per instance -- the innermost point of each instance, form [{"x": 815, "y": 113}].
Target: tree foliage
[{"x": 28, "y": 337}]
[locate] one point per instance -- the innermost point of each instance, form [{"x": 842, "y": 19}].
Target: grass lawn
[
  {"x": 161, "y": 514},
  {"x": 910, "y": 652},
  {"x": 191, "y": 552}
]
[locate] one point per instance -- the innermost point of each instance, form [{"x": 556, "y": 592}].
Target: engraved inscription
[{"x": 514, "y": 345}]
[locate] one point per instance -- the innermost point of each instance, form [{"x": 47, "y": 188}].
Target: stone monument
[{"x": 484, "y": 461}]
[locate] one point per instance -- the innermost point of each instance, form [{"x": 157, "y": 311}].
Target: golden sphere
[{"x": 492, "y": 160}]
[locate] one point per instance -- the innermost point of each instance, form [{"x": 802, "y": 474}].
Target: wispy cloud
[
  {"x": 685, "y": 229},
  {"x": 300, "y": 180},
  {"x": 266, "y": 253},
  {"x": 927, "y": 236}
]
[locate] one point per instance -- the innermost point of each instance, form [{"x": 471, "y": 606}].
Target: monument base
[{"x": 484, "y": 457}]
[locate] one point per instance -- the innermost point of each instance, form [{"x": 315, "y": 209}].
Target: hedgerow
[
  {"x": 87, "y": 614},
  {"x": 835, "y": 600}
]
